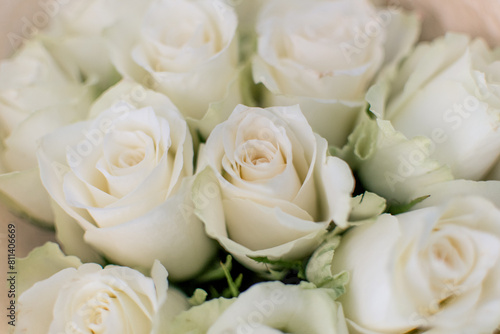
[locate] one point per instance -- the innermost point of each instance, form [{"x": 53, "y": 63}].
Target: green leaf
[
  {"x": 395, "y": 209},
  {"x": 297, "y": 265},
  {"x": 216, "y": 273},
  {"x": 234, "y": 286},
  {"x": 213, "y": 292}
]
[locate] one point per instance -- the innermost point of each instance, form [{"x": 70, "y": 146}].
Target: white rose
[
  {"x": 438, "y": 119},
  {"x": 70, "y": 297},
  {"x": 76, "y": 32},
  {"x": 188, "y": 50},
  {"x": 36, "y": 97},
  {"x": 125, "y": 178},
  {"x": 270, "y": 188},
  {"x": 433, "y": 270},
  {"x": 324, "y": 54},
  {"x": 267, "y": 308}
]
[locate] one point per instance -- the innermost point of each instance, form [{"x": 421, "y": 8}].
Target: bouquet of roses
[{"x": 279, "y": 166}]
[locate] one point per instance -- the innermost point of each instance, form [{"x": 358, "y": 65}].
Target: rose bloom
[
  {"x": 433, "y": 270},
  {"x": 124, "y": 177},
  {"x": 438, "y": 119},
  {"x": 187, "y": 50},
  {"x": 267, "y": 308},
  {"x": 324, "y": 55},
  {"x": 66, "y": 296},
  {"x": 269, "y": 187},
  {"x": 36, "y": 97}
]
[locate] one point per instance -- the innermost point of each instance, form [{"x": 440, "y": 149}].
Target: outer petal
[
  {"x": 218, "y": 111},
  {"x": 171, "y": 301},
  {"x": 394, "y": 166},
  {"x": 367, "y": 206},
  {"x": 198, "y": 319},
  {"x": 462, "y": 129},
  {"x": 22, "y": 143},
  {"x": 442, "y": 192},
  {"x": 53, "y": 166},
  {"x": 70, "y": 235},
  {"x": 39, "y": 301},
  {"x": 180, "y": 86},
  {"x": 131, "y": 61},
  {"x": 179, "y": 238},
  {"x": 209, "y": 207},
  {"x": 287, "y": 308},
  {"x": 75, "y": 35},
  {"x": 259, "y": 227},
  {"x": 24, "y": 193},
  {"x": 335, "y": 183},
  {"x": 363, "y": 303},
  {"x": 402, "y": 32},
  {"x": 426, "y": 62},
  {"x": 333, "y": 119},
  {"x": 41, "y": 263}
]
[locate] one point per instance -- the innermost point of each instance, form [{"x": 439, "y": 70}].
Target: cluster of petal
[
  {"x": 124, "y": 177},
  {"x": 270, "y": 308},
  {"x": 79, "y": 298},
  {"x": 324, "y": 55},
  {"x": 435, "y": 270},
  {"x": 269, "y": 187}
]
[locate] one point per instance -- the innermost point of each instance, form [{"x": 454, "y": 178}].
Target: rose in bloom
[
  {"x": 76, "y": 33},
  {"x": 187, "y": 50},
  {"x": 433, "y": 270},
  {"x": 324, "y": 55},
  {"x": 438, "y": 119},
  {"x": 269, "y": 188},
  {"x": 67, "y": 296},
  {"x": 124, "y": 177},
  {"x": 36, "y": 97},
  {"x": 271, "y": 307}
]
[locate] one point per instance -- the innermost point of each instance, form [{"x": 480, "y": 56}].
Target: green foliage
[
  {"x": 398, "y": 208},
  {"x": 282, "y": 265}
]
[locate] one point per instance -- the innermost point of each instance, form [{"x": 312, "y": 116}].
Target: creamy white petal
[
  {"x": 36, "y": 304},
  {"x": 23, "y": 192},
  {"x": 70, "y": 236},
  {"x": 277, "y": 308},
  {"x": 180, "y": 241},
  {"x": 41, "y": 263},
  {"x": 258, "y": 227}
]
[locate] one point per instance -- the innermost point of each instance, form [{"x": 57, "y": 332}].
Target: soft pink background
[{"x": 477, "y": 17}]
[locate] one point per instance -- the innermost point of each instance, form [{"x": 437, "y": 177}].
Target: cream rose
[
  {"x": 125, "y": 178},
  {"x": 269, "y": 188},
  {"x": 36, "y": 97},
  {"x": 433, "y": 270},
  {"x": 267, "y": 308},
  {"x": 69, "y": 297},
  {"x": 187, "y": 50},
  {"x": 324, "y": 54},
  {"x": 438, "y": 119}
]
